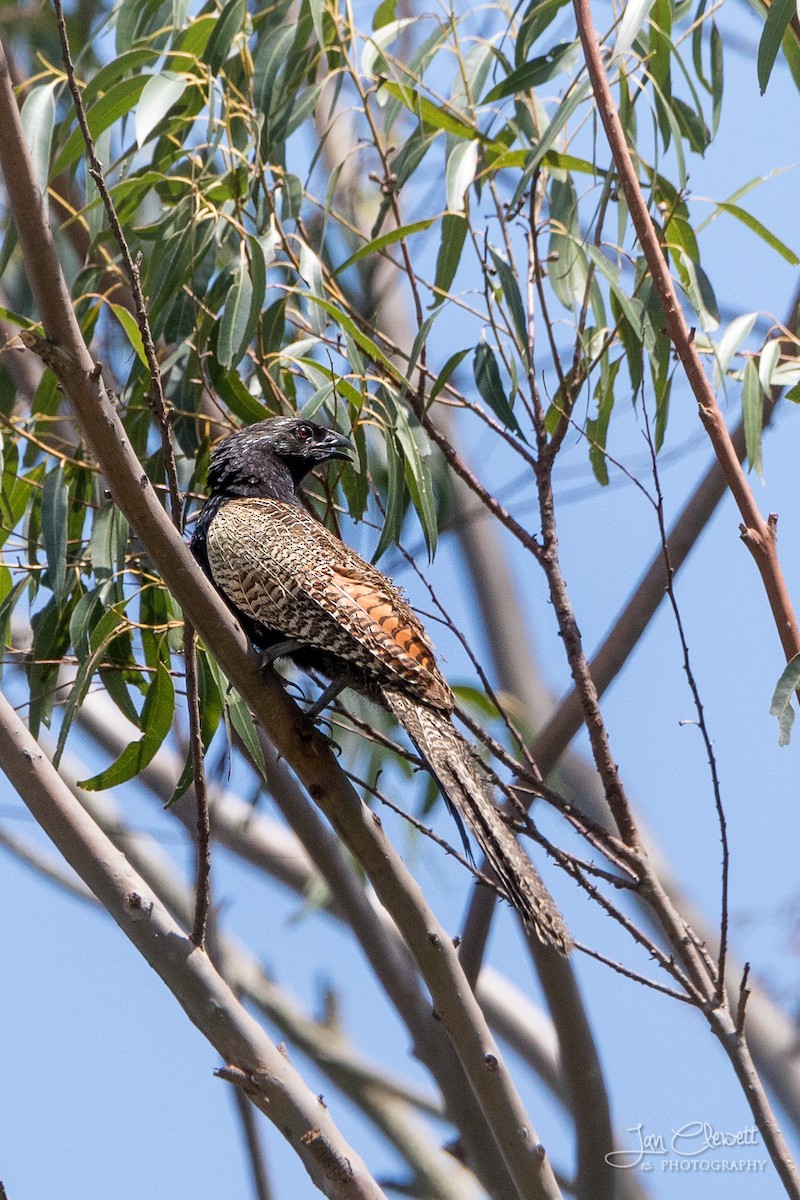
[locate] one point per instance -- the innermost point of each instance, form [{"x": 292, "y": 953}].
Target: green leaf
[
  {"x": 765, "y": 234},
  {"x": 108, "y": 542},
  {"x": 462, "y": 163},
  {"x": 363, "y": 342},
  {"x": 447, "y": 370},
  {"x": 487, "y": 378},
  {"x": 132, "y": 331},
  {"x": 242, "y": 403},
  {"x": 717, "y": 75},
  {"x": 135, "y": 20},
  {"x": 566, "y": 108},
  {"x": 781, "y": 706},
  {"x": 418, "y": 480},
  {"x": 454, "y": 232},
  {"x": 7, "y": 249},
  {"x": 513, "y": 299},
  {"x": 767, "y": 362},
  {"x": 159, "y": 94},
  {"x": 631, "y": 307},
  {"x": 117, "y": 102},
  {"x": 737, "y": 332},
  {"x": 538, "y": 15},
  {"x": 38, "y": 117},
  {"x": 634, "y": 15},
  {"x": 779, "y": 14},
  {"x": 228, "y": 24},
  {"x": 752, "y": 416},
  {"x": 93, "y": 645},
  {"x": 242, "y": 305},
  {"x": 433, "y": 115},
  {"x": 386, "y": 239},
  {"x": 156, "y": 721},
  {"x": 395, "y": 508},
  {"x": 240, "y": 717},
  {"x": 532, "y": 74},
  {"x": 55, "y": 498},
  {"x": 372, "y": 57},
  {"x": 131, "y": 62},
  {"x": 597, "y": 427},
  {"x": 699, "y": 290}
]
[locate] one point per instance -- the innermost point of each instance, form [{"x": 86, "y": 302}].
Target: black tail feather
[{"x": 469, "y": 795}]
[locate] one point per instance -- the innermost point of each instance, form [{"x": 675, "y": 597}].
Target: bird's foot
[
  {"x": 325, "y": 697},
  {"x": 279, "y": 650}
]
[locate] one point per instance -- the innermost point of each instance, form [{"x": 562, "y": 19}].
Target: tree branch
[
  {"x": 273, "y": 1085},
  {"x": 307, "y": 752}
]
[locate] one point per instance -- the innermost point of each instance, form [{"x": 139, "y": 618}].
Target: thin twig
[
  {"x": 255, "y": 1149},
  {"x": 203, "y": 881},
  {"x": 744, "y": 992},
  {"x": 425, "y": 830},
  {"x": 701, "y": 716},
  {"x": 634, "y": 975}
]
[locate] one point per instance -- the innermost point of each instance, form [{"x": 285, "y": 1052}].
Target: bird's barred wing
[{"x": 286, "y": 571}]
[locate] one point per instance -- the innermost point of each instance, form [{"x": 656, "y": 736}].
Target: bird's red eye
[{"x": 304, "y": 432}]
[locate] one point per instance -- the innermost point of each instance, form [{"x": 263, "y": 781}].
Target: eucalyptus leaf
[{"x": 781, "y": 705}]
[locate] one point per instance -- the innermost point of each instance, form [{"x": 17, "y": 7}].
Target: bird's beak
[{"x": 336, "y": 445}]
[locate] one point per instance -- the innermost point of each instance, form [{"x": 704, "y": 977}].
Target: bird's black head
[{"x": 272, "y": 457}]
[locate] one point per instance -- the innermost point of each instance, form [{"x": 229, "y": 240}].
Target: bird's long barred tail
[{"x": 459, "y": 773}]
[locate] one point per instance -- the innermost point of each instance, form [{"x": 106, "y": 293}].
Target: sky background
[{"x": 109, "y": 1091}]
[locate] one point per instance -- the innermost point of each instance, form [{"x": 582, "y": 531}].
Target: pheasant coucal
[{"x": 301, "y": 592}]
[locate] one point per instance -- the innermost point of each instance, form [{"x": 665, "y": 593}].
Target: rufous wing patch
[{"x": 396, "y": 622}]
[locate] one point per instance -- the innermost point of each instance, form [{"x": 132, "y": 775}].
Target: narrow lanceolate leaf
[
  {"x": 513, "y": 300},
  {"x": 631, "y": 307},
  {"x": 767, "y": 362},
  {"x": 38, "y": 117},
  {"x": 566, "y": 108},
  {"x": 242, "y": 306},
  {"x": 386, "y": 239},
  {"x": 311, "y": 271},
  {"x": 752, "y": 416},
  {"x": 156, "y": 721},
  {"x": 361, "y": 339},
  {"x": 460, "y": 174},
  {"x": 534, "y": 73},
  {"x": 228, "y": 24},
  {"x": 781, "y": 706},
  {"x": 132, "y": 331},
  {"x": 418, "y": 479},
  {"x": 372, "y": 57},
  {"x": 55, "y": 499},
  {"x": 454, "y": 231},
  {"x": 158, "y": 96},
  {"x": 435, "y": 115},
  {"x": 443, "y": 378},
  {"x": 490, "y": 386},
  {"x": 779, "y": 14},
  {"x": 737, "y": 332},
  {"x": 633, "y": 18},
  {"x": 117, "y": 102},
  {"x": 235, "y": 317},
  {"x": 717, "y": 75},
  {"x": 395, "y": 507},
  {"x": 92, "y": 650},
  {"x": 238, "y": 717},
  {"x": 761, "y": 231}
]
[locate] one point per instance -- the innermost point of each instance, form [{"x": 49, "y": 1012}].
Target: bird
[{"x": 300, "y": 592}]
